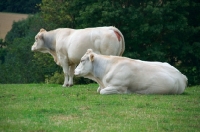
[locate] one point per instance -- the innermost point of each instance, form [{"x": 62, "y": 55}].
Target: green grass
[{"x": 51, "y": 108}]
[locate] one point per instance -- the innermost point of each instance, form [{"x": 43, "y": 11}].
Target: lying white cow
[
  {"x": 117, "y": 75},
  {"x": 67, "y": 46}
]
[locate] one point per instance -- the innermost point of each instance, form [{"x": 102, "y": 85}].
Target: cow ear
[
  {"x": 91, "y": 57},
  {"x": 89, "y": 51},
  {"x": 40, "y": 35},
  {"x": 42, "y": 30}
]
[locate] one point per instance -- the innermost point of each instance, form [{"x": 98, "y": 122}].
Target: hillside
[{"x": 6, "y": 21}]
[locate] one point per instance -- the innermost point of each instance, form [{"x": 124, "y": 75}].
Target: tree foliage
[
  {"x": 19, "y": 6},
  {"x": 154, "y": 30},
  {"x": 3, "y": 51},
  {"x": 20, "y": 64}
]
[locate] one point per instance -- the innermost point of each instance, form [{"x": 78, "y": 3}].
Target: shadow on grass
[{"x": 185, "y": 93}]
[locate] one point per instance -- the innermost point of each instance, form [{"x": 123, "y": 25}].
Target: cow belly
[
  {"x": 75, "y": 53},
  {"x": 160, "y": 84}
]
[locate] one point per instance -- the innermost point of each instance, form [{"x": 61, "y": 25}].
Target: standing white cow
[
  {"x": 67, "y": 46},
  {"x": 117, "y": 75}
]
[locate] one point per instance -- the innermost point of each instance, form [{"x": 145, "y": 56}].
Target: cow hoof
[{"x": 67, "y": 85}]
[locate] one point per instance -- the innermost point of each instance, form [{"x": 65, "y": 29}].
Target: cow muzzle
[
  {"x": 77, "y": 72},
  {"x": 33, "y": 48}
]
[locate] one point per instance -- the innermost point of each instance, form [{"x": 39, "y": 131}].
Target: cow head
[
  {"x": 39, "y": 44},
  {"x": 85, "y": 66}
]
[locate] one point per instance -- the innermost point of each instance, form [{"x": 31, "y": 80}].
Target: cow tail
[
  {"x": 182, "y": 84},
  {"x": 186, "y": 80},
  {"x": 123, "y": 41}
]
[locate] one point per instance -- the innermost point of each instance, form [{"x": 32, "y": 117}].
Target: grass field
[{"x": 51, "y": 108}]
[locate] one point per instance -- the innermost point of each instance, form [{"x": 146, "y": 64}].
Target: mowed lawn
[{"x": 52, "y": 108}]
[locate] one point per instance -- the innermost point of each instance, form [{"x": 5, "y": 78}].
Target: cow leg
[
  {"x": 71, "y": 75},
  {"x": 64, "y": 63},
  {"x": 99, "y": 89},
  {"x": 113, "y": 90},
  {"x": 66, "y": 71},
  {"x": 97, "y": 81},
  {"x": 65, "y": 80}
]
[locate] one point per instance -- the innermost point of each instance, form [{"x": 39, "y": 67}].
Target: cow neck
[
  {"x": 99, "y": 67},
  {"x": 50, "y": 42}
]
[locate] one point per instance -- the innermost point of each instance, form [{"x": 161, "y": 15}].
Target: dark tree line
[
  {"x": 154, "y": 30},
  {"x": 19, "y": 6}
]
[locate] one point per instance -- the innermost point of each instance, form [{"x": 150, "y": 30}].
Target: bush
[{"x": 58, "y": 78}]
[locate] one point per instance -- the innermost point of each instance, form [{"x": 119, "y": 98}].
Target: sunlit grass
[{"x": 51, "y": 108}]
